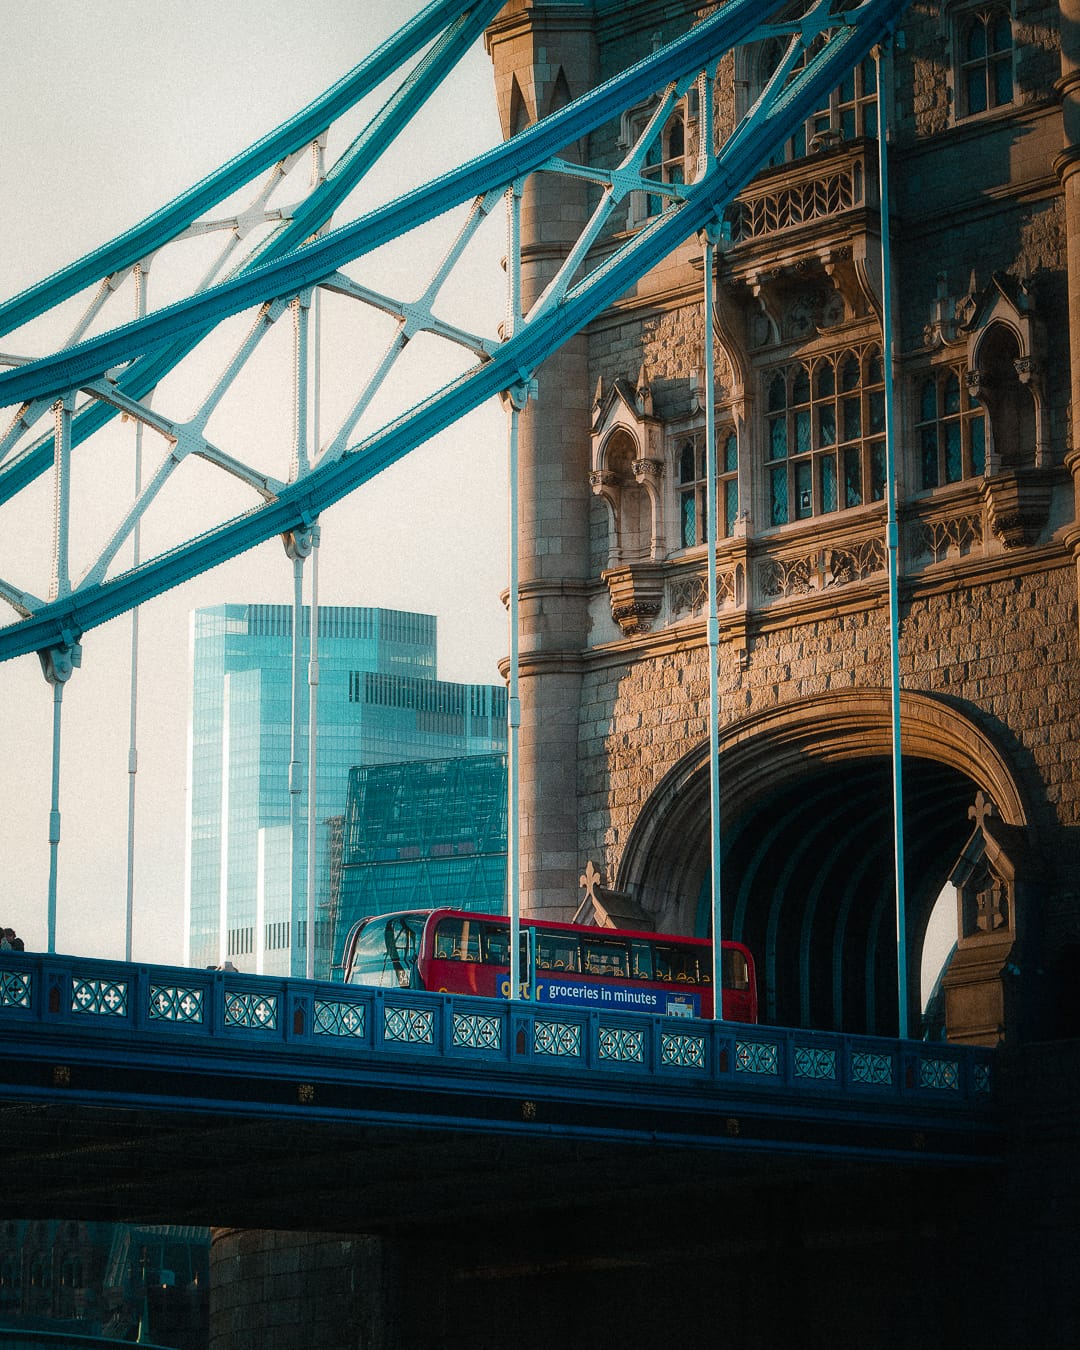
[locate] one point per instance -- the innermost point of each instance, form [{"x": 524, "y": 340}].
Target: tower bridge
[
  {"x": 135, "y": 1091},
  {"x": 785, "y": 355}
]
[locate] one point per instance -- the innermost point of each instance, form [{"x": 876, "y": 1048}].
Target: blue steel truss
[{"x": 83, "y": 386}]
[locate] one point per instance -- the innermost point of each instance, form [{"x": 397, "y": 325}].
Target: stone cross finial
[
  {"x": 590, "y": 879},
  {"x": 982, "y": 811}
]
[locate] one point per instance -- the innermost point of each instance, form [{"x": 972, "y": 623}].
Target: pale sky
[{"x": 110, "y": 108}]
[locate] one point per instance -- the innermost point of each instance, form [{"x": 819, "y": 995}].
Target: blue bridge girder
[
  {"x": 149, "y": 347},
  {"x": 137, "y": 1049}
]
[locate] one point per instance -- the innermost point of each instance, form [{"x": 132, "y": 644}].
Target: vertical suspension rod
[
  {"x": 313, "y": 645},
  {"x": 298, "y": 546},
  {"x": 514, "y": 405},
  {"x": 709, "y": 251},
  {"x": 296, "y": 786},
  {"x": 709, "y": 237},
  {"x": 313, "y": 726},
  {"x": 892, "y": 549},
  {"x": 133, "y": 751},
  {"x": 54, "y": 814},
  {"x": 54, "y": 662}
]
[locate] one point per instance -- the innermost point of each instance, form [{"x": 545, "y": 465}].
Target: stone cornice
[{"x": 857, "y": 597}]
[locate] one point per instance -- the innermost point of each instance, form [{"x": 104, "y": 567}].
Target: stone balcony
[{"x": 804, "y": 194}]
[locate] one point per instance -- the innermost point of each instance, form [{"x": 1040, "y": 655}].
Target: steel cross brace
[{"x": 775, "y": 116}]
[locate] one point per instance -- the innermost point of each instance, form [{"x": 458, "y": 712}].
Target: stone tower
[{"x": 982, "y": 148}]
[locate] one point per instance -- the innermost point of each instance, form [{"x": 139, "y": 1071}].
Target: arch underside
[{"x": 808, "y": 868}]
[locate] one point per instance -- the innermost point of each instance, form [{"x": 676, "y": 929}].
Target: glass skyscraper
[
  {"x": 421, "y": 834},
  {"x": 379, "y": 701}
]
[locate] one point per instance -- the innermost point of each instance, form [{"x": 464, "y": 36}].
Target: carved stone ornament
[
  {"x": 985, "y": 878},
  {"x": 637, "y": 594},
  {"x": 1018, "y": 503}
]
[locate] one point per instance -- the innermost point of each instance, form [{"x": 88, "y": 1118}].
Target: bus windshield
[{"x": 386, "y": 950}]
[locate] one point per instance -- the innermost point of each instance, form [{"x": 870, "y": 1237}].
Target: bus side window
[
  {"x": 641, "y": 960},
  {"x": 605, "y": 958},
  {"x": 555, "y": 952},
  {"x": 458, "y": 940},
  {"x": 447, "y": 938},
  {"x": 496, "y": 945},
  {"x": 736, "y": 971}
]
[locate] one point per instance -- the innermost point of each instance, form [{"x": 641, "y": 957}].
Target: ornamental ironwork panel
[
  {"x": 477, "y": 1031},
  {"x": 339, "y": 1019},
  {"x": 813, "y": 1062},
  {"x": 618, "y": 1043},
  {"x": 254, "y": 1012},
  {"x": 173, "y": 1003},
  {"x": 409, "y": 1025},
  {"x": 557, "y": 1038},
  {"x": 942, "y": 1074},
  {"x": 757, "y": 1057},
  {"x": 870, "y": 1067},
  {"x": 100, "y": 998},
  {"x": 15, "y": 988},
  {"x": 682, "y": 1051}
]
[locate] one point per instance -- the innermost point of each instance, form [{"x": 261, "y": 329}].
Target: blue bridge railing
[{"x": 233, "y": 1012}]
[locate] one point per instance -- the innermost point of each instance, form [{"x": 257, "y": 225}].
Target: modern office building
[
  {"x": 419, "y": 834},
  {"x": 379, "y": 701}
]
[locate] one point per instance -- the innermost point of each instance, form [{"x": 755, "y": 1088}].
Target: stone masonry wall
[{"x": 1004, "y": 651}]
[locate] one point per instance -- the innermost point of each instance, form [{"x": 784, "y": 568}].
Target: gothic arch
[
  {"x": 807, "y": 844},
  {"x": 1002, "y": 368}
]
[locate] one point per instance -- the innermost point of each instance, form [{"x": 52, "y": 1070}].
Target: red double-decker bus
[{"x": 449, "y": 951}]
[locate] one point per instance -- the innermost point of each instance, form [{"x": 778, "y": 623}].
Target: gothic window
[
  {"x": 825, "y": 434},
  {"x": 950, "y": 433},
  {"x": 693, "y": 481},
  {"x": 985, "y": 59},
  {"x": 1006, "y": 398},
  {"x": 665, "y": 161},
  {"x": 849, "y": 112},
  {"x": 667, "y": 158}
]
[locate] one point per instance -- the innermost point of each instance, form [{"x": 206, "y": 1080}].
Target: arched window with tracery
[
  {"x": 825, "y": 434},
  {"x": 985, "y": 59},
  {"x": 668, "y": 158},
  {"x": 950, "y": 430},
  {"x": 633, "y": 517},
  {"x": 692, "y": 481}
]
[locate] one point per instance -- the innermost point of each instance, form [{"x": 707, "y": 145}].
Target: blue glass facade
[
  {"x": 379, "y": 701},
  {"x": 421, "y": 834}
]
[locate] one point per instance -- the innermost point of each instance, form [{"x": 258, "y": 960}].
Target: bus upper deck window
[
  {"x": 555, "y": 952},
  {"x": 496, "y": 946},
  {"x": 458, "y": 940},
  {"x": 736, "y": 970},
  {"x": 605, "y": 958},
  {"x": 641, "y": 960},
  {"x": 677, "y": 967}
]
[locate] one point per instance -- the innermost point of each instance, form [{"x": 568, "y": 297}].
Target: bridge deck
[{"x": 139, "y": 1088}]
